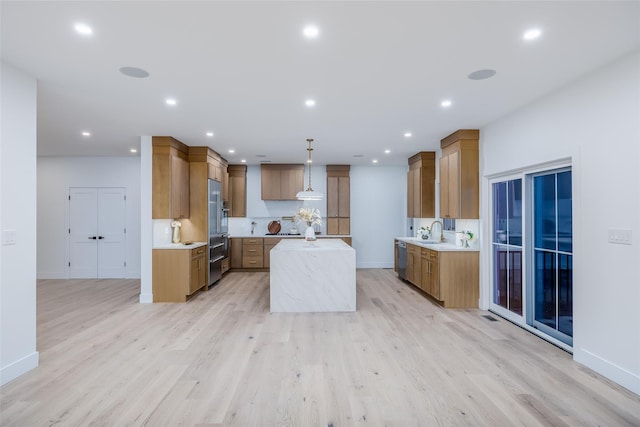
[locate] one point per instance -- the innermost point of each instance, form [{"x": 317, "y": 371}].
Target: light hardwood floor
[{"x": 223, "y": 359}]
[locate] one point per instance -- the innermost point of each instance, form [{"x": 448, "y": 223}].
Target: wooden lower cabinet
[
  {"x": 430, "y": 279},
  {"x": 414, "y": 265},
  {"x": 255, "y": 253},
  {"x": 178, "y": 273},
  {"x": 269, "y": 243},
  {"x": 252, "y": 253},
  {"x": 451, "y": 277},
  {"x": 226, "y": 265}
]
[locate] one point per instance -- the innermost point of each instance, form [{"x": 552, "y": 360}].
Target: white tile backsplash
[{"x": 161, "y": 231}]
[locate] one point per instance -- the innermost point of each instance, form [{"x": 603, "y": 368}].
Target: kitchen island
[{"x": 318, "y": 276}]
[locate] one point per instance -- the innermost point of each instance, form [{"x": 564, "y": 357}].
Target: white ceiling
[{"x": 243, "y": 70}]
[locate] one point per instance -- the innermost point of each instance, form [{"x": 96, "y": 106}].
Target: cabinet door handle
[
  {"x": 100, "y": 237},
  {"x": 92, "y": 237}
]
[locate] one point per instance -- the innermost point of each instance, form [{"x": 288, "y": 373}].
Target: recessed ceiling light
[
  {"x": 83, "y": 29},
  {"x": 311, "y": 31},
  {"x": 243, "y": 161},
  {"x": 408, "y": 134},
  {"x": 232, "y": 151},
  {"x": 170, "y": 101},
  {"x": 446, "y": 103},
  {"x": 85, "y": 133},
  {"x": 532, "y": 34},
  {"x": 387, "y": 151},
  {"x": 310, "y": 102},
  {"x": 133, "y": 150},
  {"x": 136, "y": 72},
  {"x": 374, "y": 161},
  {"x": 481, "y": 74},
  {"x": 209, "y": 134}
]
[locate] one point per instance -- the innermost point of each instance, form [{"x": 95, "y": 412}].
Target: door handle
[
  {"x": 100, "y": 237},
  {"x": 91, "y": 237}
]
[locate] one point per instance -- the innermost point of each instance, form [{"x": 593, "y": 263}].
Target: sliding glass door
[{"x": 532, "y": 252}]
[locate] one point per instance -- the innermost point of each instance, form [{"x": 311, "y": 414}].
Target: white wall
[
  {"x": 378, "y": 213},
  {"x": 378, "y": 209},
  {"x": 596, "y": 123},
  {"x": 18, "y": 213},
  {"x": 55, "y": 176}
]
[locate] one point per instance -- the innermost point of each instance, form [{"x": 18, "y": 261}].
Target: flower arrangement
[
  {"x": 311, "y": 216},
  {"x": 176, "y": 223},
  {"x": 423, "y": 232},
  {"x": 465, "y": 237}
]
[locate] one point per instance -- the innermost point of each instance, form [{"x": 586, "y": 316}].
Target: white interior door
[
  {"x": 97, "y": 233},
  {"x": 83, "y": 230},
  {"x": 111, "y": 233}
]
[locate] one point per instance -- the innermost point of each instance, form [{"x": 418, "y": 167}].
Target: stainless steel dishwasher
[{"x": 402, "y": 260}]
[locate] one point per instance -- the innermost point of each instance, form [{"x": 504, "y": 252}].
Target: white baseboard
[
  {"x": 19, "y": 367},
  {"x": 146, "y": 298},
  {"x": 375, "y": 265},
  {"x": 52, "y": 275},
  {"x": 626, "y": 379}
]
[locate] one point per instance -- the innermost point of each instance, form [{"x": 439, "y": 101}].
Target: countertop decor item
[
  {"x": 424, "y": 232},
  {"x": 274, "y": 227},
  {"x": 312, "y": 217},
  {"x": 175, "y": 238},
  {"x": 466, "y": 236},
  {"x": 309, "y": 193}
]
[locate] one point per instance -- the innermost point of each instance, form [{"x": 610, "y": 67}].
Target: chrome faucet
[{"x": 441, "y": 229}]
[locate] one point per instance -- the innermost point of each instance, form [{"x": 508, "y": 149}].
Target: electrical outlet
[
  {"x": 8, "y": 237},
  {"x": 621, "y": 237}
]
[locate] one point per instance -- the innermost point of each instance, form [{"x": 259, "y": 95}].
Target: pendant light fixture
[{"x": 309, "y": 193}]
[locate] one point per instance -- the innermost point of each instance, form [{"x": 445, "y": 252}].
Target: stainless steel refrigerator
[{"x": 218, "y": 236}]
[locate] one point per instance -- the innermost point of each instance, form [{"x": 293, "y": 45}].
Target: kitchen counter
[
  {"x": 309, "y": 277},
  {"x": 437, "y": 246},
  {"x": 287, "y": 236},
  {"x": 179, "y": 245}
]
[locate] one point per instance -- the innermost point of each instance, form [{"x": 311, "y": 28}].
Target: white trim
[
  {"x": 615, "y": 373},
  {"x": 21, "y": 366},
  {"x": 52, "y": 275},
  {"x": 146, "y": 298}
]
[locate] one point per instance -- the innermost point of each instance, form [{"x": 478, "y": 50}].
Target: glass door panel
[
  {"x": 553, "y": 269},
  {"x": 507, "y": 245}
]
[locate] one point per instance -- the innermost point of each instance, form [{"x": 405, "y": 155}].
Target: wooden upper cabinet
[
  {"x": 281, "y": 181},
  {"x": 237, "y": 191},
  {"x": 170, "y": 179},
  {"x": 338, "y": 199},
  {"x": 225, "y": 181},
  {"x": 421, "y": 185},
  {"x": 460, "y": 175}
]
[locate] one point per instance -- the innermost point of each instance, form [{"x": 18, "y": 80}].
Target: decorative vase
[
  {"x": 310, "y": 234},
  {"x": 176, "y": 235}
]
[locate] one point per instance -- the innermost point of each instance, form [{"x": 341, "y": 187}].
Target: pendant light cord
[{"x": 309, "y": 150}]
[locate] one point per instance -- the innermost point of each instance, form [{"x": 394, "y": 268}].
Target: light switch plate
[
  {"x": 622, "y": 237},
  {"x": 8, "y": 237}
]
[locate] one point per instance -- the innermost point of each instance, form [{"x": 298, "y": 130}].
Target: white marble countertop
[
  {"x": 179, "y": 245},
  {"x": 288, "y": 236},
  {"x": 316, "y": 245},
  {"x": 437, "y": 246}
]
